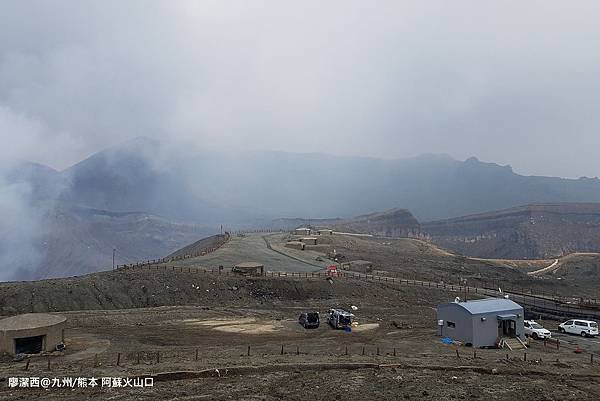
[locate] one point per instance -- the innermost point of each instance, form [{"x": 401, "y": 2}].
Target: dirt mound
[{"x": 138, "y": 288}]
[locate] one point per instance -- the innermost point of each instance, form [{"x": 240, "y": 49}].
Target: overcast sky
[{"x": 513, "y": 82}]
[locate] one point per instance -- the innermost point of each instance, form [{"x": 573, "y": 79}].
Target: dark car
[{"x": 309, "y": 320}]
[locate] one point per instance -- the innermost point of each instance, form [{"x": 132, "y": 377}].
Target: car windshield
[{"x": 536, "y": 326}]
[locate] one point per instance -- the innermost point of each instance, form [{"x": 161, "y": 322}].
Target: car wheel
[
  {"x": 583, "y": 334},
  {"x": 535, "y": 336}
]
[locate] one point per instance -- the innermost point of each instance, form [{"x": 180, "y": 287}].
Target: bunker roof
[
  {"x": 30, "y": 321},
  {"x": 489, "y": 305}
]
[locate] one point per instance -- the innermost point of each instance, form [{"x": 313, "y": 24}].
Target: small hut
[
  {"x": 309, "y": 240},
  {"x": 302, "y": 231},
  {"x": 362, "y": 266},
  {"x": 31, "y": 333},
  {"x": 249, "y": 269},
  {"x": 295, "y": 245}
]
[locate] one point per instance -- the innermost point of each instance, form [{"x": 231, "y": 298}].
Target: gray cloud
[{"x": 510, "y": 82}]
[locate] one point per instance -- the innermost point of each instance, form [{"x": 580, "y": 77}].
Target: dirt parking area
[{"x": 259, "y": 352}]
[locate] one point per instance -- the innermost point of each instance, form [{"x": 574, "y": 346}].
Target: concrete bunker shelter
[
  {"x": 31, "y": 333},
  {"x": 295, "y": 245},
  {"x": 481, "y": 323},
  {"x": 309, "y": 240},
  {"x": 302, "y": 231},
  {"x": 361, "y": 266},
  {"x": 249, "y": 269}
]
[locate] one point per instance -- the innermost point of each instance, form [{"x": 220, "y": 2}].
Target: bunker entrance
[{"x": 29, "y": 345}]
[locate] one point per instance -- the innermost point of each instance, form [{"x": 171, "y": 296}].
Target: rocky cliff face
[
  {"x": 391, "y": 223},
  {"x": 527, "y": 232}
]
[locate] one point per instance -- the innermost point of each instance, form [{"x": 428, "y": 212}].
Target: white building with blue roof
[{"x": 482, "y": 322}]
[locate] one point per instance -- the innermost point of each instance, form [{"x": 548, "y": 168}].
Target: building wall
[
  {"x": 485, "y": 333},
  {"x": 463, "y": 329},
  {"x": 54, "y": 336}
]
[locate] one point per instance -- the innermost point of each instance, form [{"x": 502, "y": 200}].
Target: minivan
[{"x": 584, "y": 328}]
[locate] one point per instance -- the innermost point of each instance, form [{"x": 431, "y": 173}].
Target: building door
[
  {"x": 29, "y": 345},
  {"x": 508, "y": 328}
]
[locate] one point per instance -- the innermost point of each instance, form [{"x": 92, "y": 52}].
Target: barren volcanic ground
[
  {"x": 394, "y": 353},
  {"x": 203, "y": 335}
]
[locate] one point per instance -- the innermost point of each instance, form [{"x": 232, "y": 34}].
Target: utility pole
[{"x": 114, "y": 250}]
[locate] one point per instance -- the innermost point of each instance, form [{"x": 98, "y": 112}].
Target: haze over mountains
[{"x": 183, "y": 194}]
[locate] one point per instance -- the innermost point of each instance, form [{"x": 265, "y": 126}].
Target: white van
[{"x": 584, "y": 328}]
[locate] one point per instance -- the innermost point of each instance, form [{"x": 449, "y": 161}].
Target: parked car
[
  {"x": 584, "y": 328},
  {"x": 339, "y": 318},
  {"x": 535, "y": 330},
  {"x": 309, "y": 320}
]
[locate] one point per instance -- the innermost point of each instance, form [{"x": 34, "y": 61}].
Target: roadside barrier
[{"x": 313, "y": 353}]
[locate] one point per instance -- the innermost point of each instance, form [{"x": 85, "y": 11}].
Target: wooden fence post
[
  {"x": 248, "y": 350},
  {"x": 157, "y": 356},
  {"x": 196, "y": 357},
  {"x": 138, "y": 358},
  {"x": 27, "y": 364},
  {"x": 118, "y": 358},
  {"x": 457, "y": 353}
]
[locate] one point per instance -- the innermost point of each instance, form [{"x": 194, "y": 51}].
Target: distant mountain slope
[
  {"x": 533, "y": 231},
  {"x": 81, "y": 240},
  {"x": 219, "y": 187},
  {"x": 250, "y": 189}
]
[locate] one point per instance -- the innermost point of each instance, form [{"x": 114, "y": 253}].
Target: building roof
[
  {"x": 489, "y": 305},
  {"x": 302, "y": 228},
  {"x": 248, "y": 265},
  {"x": 30, "y": 321}
]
